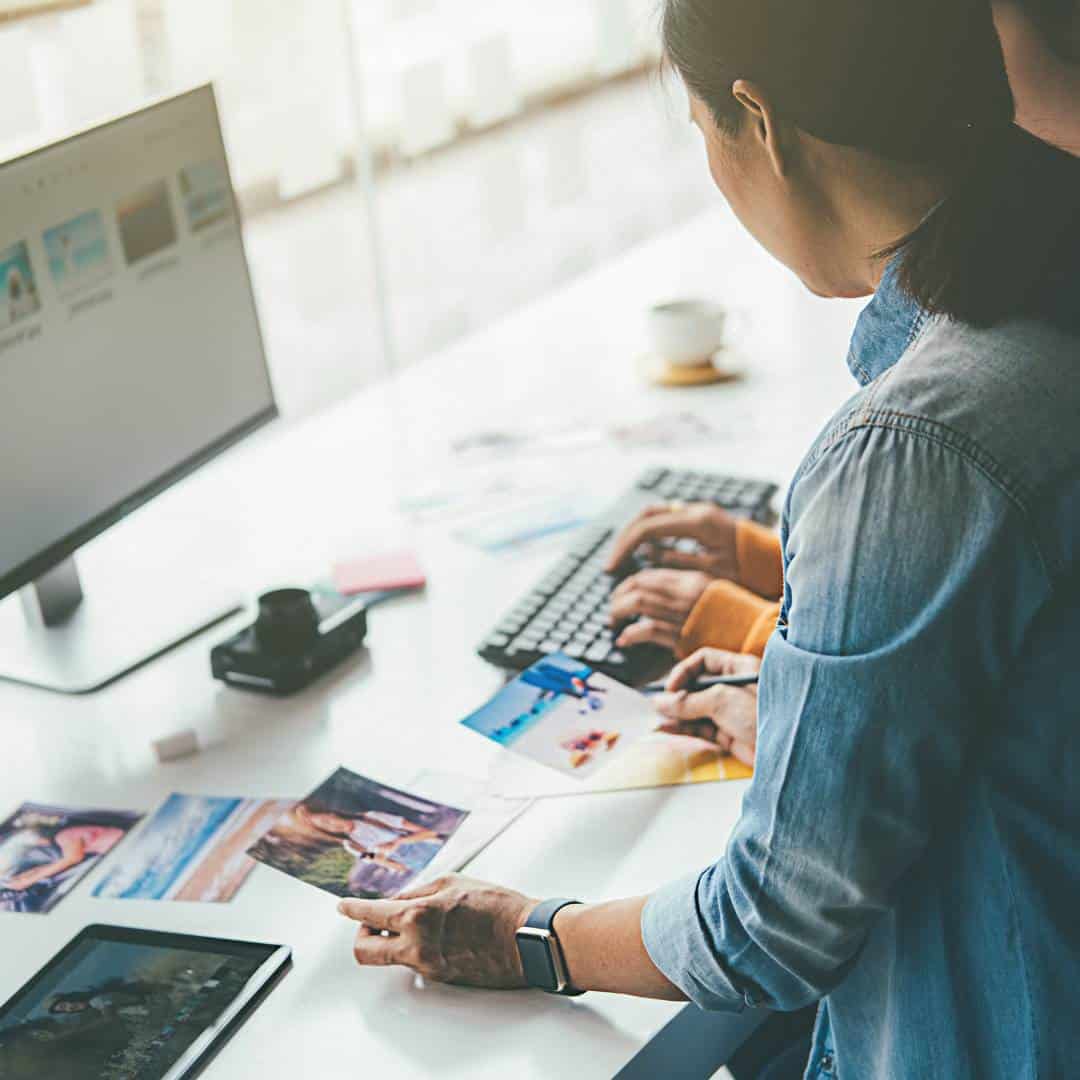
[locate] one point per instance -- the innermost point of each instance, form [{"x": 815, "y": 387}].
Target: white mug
[{"x": 686, "y": 333}]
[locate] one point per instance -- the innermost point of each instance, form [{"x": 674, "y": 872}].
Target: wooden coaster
[{"x": 664, "y": 373}]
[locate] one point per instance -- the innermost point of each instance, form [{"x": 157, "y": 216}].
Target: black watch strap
[{"x": 541, "y": 954}]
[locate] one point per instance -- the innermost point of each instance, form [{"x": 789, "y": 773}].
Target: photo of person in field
[{"x": 355, "y": 837}]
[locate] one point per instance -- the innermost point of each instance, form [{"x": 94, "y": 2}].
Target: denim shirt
[{"x": 909, "y": 848}]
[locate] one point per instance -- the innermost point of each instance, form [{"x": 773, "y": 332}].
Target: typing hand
[
  {"x": 711, "y": 526},
  {"x": 656, "y": 604},
  {"x": 454, "y": 930},
  {"x": 726, "y": 715}
]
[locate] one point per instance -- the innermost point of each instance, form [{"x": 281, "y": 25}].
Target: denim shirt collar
[{"x": 885, "y": 329}]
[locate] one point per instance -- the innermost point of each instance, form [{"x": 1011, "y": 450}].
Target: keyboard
[{"x": 568, "y": 609}]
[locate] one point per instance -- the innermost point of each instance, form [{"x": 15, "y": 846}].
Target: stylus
[{"x": 705, "y": 683}]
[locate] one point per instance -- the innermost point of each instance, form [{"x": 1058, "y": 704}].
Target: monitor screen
[{"x": 130, "y": 349}]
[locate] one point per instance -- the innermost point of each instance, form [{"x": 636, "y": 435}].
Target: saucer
[{"x": 720, "y": 369}]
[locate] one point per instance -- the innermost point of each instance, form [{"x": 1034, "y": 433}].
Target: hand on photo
[
  {"x": 724, "y": 715},
  {"x": 656, "y": 604},
  {"x": 711, "y": 526},
  {"x": 453, "y": 930}
]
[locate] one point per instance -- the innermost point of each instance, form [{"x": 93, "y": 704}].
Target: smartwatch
[{"x": 541, "y": 954}]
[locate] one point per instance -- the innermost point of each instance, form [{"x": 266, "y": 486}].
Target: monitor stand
[{"x": 56, "y": 638}]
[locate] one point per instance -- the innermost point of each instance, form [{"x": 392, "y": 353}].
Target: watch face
[{"x": 534, "y": 947}]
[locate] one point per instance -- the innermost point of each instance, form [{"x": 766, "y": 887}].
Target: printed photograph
[
  {"x": 193, "y": 848},
  {"x": 120, "y": 1011},
  {"x": 78, "y": 253},
  {"x": 356, "y": 837},
  {"x": 562, "y": 714},
  {"x": 146, "y": 222},
  {"x": 46, "y": 850},
  {"x": 205, "y": 189},
  {"x": 20, "y": 299}
]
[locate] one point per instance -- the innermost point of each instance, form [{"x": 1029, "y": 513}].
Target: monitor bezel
[{"x": 33, "y": 568}]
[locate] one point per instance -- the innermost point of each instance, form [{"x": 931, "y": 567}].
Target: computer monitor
[{"x": 130, "y": 355}]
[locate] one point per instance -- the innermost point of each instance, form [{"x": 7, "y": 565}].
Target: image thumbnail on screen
[
  {"x": 20, "y": 297},
  {"x": 146, "y": 222},
  {"x": 78, "y": 252},
  {"x": 205, "y": 188}
]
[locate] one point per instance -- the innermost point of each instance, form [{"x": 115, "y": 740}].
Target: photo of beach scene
[
  {"x": 20, "y": 297},
  {"x": 356, "y": 837},
  {"x": 146, "y": 222},
  {"x": 563, "y": 714},
  {"x": 45, "y": 851},
  {"x": 193, "y": 848},
  {"x": 205, "y": 188},
  {"x": 78, "y": 253}
]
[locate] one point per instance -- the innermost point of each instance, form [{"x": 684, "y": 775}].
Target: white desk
[{"x": 285, "y": 507}]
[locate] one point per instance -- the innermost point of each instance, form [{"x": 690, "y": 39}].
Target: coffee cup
[{"x": 686, "y": 333}]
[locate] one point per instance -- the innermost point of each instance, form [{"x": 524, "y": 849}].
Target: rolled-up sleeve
[{"x": 910, "y": 580}]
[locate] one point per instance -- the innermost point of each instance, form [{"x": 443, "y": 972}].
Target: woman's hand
[
  {"x": 657, "y": 604},
  {"x": 726, "y": 715},
  {"x": 454, "y": 930},
  {"x": 711, "y": 526}
]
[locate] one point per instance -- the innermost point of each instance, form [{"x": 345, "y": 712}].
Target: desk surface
[{"x": 287, "y": 505}]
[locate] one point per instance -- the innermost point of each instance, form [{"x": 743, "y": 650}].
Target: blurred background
[{"x": 409, "y": 170}]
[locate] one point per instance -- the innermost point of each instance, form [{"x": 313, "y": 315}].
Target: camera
[{"x": 299, "y": 635}]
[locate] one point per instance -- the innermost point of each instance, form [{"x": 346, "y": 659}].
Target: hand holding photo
[
  {"x": 562, "y": 714},
  {"x": 46, "y": 850},
  {"x": 356, "y": 837}
]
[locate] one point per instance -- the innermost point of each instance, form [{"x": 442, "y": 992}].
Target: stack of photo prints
[{"x": 573, "y": 730}]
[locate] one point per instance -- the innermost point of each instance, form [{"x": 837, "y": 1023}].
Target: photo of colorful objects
[{"x": 562, "y": 714}]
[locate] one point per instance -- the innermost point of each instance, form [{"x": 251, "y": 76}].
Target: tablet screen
[{"x": 127, "y": 1004}]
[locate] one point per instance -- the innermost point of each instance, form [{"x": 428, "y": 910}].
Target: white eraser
[{"x": 173, "y": 747}]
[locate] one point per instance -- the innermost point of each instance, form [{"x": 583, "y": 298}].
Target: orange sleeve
[
  {"x": 759, "y": 559},
  {"x": 729, "y": 617}
]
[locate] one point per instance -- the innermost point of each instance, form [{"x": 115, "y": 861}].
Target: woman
[
  {"x": 722, "y": 595},
  {"x": 48, "y": 858},
  {"x": 907, "y": 853}
]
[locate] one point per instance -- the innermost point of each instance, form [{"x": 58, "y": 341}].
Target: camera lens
[{"x": 287, "y": 622}]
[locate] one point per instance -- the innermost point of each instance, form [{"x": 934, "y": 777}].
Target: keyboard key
[
  {"x": 497, "y": 641},
  {"x": 549, "y": 647},
  {"x": 574, "y": 651},
  {"x": 597, "y": 654},
  {"x": 616, "y": 659},
  {"x": 649, "y": 480}
]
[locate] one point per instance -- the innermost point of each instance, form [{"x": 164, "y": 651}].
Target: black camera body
[{"x": 298, "y": 636}]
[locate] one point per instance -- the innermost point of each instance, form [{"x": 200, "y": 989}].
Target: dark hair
[{"x": 922, "y": 82}]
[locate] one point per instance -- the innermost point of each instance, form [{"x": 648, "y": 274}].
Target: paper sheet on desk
[
  {"x": 490, "y": 815},
  {"x": 659, "y": 760}
]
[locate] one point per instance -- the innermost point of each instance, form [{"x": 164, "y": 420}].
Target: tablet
[{"x": 134, "y": 1004}]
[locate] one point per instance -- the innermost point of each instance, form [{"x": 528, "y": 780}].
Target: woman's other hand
[
  {"x": 656, "y": 604},
  {"x": 725, "y": 715},
  {"x": 711, "y": 526}
]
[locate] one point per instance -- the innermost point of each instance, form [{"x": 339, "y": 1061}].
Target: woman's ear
[{"x": 764, "y": 125}]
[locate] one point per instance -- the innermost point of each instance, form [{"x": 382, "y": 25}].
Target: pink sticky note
[{"x": 398, "y": 570}]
